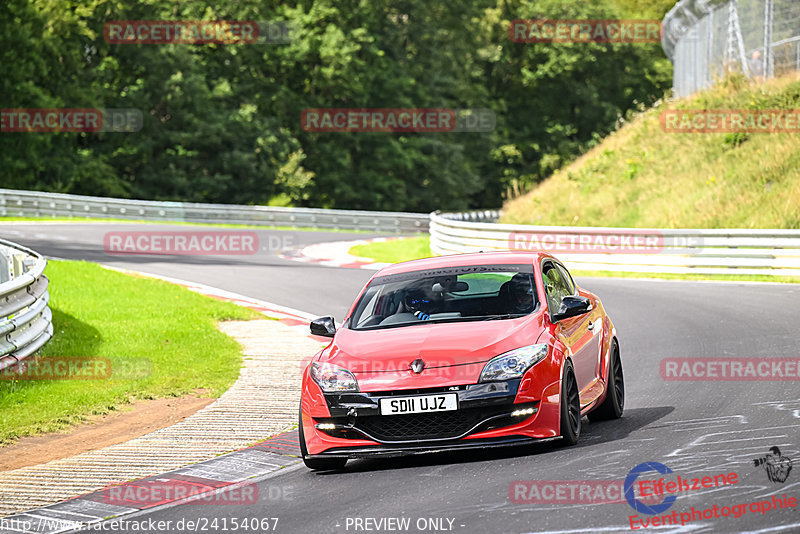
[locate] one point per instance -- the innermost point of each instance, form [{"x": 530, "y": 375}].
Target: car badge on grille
[{"x": 417, "y": 366}]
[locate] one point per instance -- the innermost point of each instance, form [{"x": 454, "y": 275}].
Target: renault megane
[{"x": 474, "y": 350}]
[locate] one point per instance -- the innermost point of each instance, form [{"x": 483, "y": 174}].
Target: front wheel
[
  {"x": 317, "y": 464},
  {"x": 570, "y": 407},
  {"x": 614, "y": 402}
]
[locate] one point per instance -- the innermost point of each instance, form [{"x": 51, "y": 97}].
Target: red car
[{"x": 473, "y": 350}]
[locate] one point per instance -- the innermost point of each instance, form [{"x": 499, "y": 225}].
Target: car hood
[{"x": 438, "y": 344}]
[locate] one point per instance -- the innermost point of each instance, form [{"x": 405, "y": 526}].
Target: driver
[
  {"x": 418, "y": 303},
  {"x": 520, "y": 293}
]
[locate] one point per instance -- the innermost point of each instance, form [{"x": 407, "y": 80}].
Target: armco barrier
[
  {"x": 25, "y": 319},
  {"x": 643, "y": 250},
  {"x": 14, "y": 203}
]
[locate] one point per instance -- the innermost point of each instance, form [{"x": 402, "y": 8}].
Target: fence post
[
  {"x": 798, "y": 55},
  {"x": 769, "y": 64}
]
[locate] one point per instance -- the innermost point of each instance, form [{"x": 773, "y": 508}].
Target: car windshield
[{"x": 453, "y": 294}]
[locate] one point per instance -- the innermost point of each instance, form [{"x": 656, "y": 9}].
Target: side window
[
  {"x": 568, "y": 283},
  {"x": 550, "y": 277},
  {"x": 555, "y": 285}
]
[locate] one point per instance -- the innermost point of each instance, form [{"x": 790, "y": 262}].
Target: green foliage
[{"x": 222, "y": 122}]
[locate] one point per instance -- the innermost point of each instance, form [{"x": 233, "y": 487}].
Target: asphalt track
[{"x": 697, "y": 429}]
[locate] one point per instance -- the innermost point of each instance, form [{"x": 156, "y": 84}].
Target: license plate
[{"x": 429, "y": 403}]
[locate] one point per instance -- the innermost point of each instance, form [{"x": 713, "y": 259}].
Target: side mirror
[
  {"x": 324, "y": 326},
  {"x": 572, "y": 307}
]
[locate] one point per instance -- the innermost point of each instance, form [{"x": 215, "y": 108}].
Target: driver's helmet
[{"x": 520, "y": 292}]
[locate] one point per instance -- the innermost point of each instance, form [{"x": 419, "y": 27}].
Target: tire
[
  {"x": 570, "y": 407},
  {"x": 317, "y": 464},
  {"x": 614, "y": 403}
]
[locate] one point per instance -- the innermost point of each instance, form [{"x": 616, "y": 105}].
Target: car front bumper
[{"x": 353, "y": 426}]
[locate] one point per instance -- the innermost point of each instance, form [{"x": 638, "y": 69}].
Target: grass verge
[
  {"x": 642, "y": 176},
  {"x": 161, "y": 340},
  {"x": 395, "y": 250}
]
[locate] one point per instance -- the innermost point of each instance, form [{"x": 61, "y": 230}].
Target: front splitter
[{"x": 386, "y": 451}]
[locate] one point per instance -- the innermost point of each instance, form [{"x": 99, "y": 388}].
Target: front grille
[{"x": 437, "y": 425}]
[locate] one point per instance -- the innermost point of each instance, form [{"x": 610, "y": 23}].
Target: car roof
[{"x": 456, "y": 260}]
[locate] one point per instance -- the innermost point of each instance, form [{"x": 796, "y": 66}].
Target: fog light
[
  {"x": 325, "y": 426},
  {"x": 526, "y": 411}
]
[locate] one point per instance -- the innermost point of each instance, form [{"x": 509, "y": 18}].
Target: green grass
[
  {"x": 395, "y": 250},
  {"x": 641, "y": 176},
  {"x": 179, "y": 223},
  {"x": 162, "y": 335}
]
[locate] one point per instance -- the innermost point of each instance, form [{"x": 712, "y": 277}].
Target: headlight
[
  {"x": 513, "y": 363},
  {"x": 332, "y": 378}
]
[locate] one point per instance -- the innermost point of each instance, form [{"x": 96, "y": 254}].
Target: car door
[{"x": 577, "y": 333}]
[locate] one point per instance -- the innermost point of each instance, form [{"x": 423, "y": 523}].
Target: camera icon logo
[{"x": 775, "y": 464}]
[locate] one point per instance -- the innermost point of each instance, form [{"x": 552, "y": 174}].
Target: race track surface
[{"x": 697, "y": 429}]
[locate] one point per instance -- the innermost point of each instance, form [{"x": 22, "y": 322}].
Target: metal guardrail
[
  {"x": 643, "y": 250},
  {"x": 25, "y": 319},
  {"x": 14, "y": 203}
]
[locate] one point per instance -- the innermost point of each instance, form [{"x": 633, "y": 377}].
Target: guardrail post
[{"x": 5, "y": 266}]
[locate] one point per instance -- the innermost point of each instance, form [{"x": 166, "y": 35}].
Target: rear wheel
[
  {"x": 614, "y": 402},
  {"x": 317, "y": 464},
  {"x": 570, "y": 407}
]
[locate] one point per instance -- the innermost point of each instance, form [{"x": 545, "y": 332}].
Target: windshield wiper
[{"x": 500, "y": 316}]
